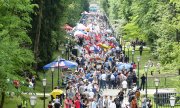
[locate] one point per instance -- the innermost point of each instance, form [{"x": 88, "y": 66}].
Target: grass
[
  {"x": 13, "y": 102},
  {"x": 167, "y": 79}
]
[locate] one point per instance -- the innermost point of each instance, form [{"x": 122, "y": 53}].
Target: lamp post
[
  {"x": 52, "y": 73},
  {"x": 124, "y": 47},
  {"x": 128, "y": 46},
  {"x": 33, "y": 101},
  {"x": 138, "y": 59},
  {"x": 58, "y": 71},
  {"x": 156, "y": 81},
  {"x": 172, "y": 101},
  {"x": 158, "y": 68},
  {"x": 132, "y": 55},
  {"x": 44, "y": 85},
  {"x": 67, "y": 50},
  {"x": 146, "y": 71}
]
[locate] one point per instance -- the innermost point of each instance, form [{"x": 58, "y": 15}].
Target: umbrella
[
  {"x": 76, "y": 33},
  {"x": 111, "y": 38},
  {"x": 85, "y": 13},
  {"x": 123, "y": 65},
  {"x": 61, "y": 63},
  {"x": 81, "y": 27},
  {"x": 109, "y": 31},
  {"x": 67, "y": 27},
  {"x": 56, "y": 92},
  {"x": 105, "y": 46}
]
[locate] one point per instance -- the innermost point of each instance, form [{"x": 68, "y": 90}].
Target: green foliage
[
  {"x": 157, "y": 22},
  {"x": 15, "y": 54},
  {"x": 132, "y": 31},
  {"x": 55, "y": 14}
]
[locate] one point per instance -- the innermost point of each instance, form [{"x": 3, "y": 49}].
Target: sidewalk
[
  {"x": 114, "y": 92},
  {"x": 38, "y": 94}
]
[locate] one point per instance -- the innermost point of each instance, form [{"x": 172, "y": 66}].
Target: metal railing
[{"x": 162, "y": 100}]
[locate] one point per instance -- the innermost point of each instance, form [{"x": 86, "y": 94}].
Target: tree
[
  {"x": 156, "y": 21},
  {"x": 15, "y": 53}
]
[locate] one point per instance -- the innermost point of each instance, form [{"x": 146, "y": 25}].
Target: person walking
[
  {"x": 100, "y": 102},
  {"x": 134, "y": 103},
  {"x": 66, "y": 102},
  {"x": 117, "y": 102},
  {"x": 50, "y": 105},
  {"x": 143, "y": 81},
  {"x": 141, "y": 50},
  {"x": 124, "y": 86}
]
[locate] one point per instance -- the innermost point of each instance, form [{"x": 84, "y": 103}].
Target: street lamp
[
  {"x": 67, "y": 51},
  {"x": 58, "y": 71},
  {"x": 156, "y": 81},
  {"x": 132, "y": 55},
  {"x": 172, "y": 101},
  {"x": 146, "y": 71},
  {"x": 158, "y": 68},
  {"x": 124, "y": 47},
  {"x": 128, "y": 46},
  {"x": 52, "y": 73},
  {"x": 138, "y": 59},
  {"x": 44, "y": 85},
  {"x": 33, "y": 101}
]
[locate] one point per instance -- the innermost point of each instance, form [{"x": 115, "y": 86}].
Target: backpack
[{"x": 108, "y": 77}]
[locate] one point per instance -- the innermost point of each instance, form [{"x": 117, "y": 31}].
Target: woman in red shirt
[
  {"x": 77, "y": 103},
  {"x": 66, "y": 103}
]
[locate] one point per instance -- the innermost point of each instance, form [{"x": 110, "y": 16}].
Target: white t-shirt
[
  {"x": 124, "y": 84},
  {"x": 103, "y": 76},
  {"x": 112, "y": 77},
  {"x": 112, "y": 105},
  {"x": 109, "y": 103},
  {"x": 91, "y": 95}
]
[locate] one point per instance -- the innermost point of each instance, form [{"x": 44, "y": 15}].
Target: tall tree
[{"x": 15, "y": 53}]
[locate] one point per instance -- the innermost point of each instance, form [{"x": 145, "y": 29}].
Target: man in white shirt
[
  {"x": 91, "y": 94},
  {"x": 112, "y": 79},
  {"x": 124, "y": 86},
  {"x": 110, "y": 101},
  {"x": 103, "y": 77},
  {"x": 112, "y": 105}
]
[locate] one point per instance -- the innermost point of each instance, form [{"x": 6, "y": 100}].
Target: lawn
[
  {"x": 13, "y": 102},
  {"x": 167, "y": 79}
]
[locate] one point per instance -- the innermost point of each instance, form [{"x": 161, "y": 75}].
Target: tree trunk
[
  {"x": 38, "y": 33},
  {"x": 2, "y": 99}
]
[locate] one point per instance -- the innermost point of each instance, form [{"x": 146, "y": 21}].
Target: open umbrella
[
  {"x": 67, "y": 27},
  {"x": 61, "y": 63},
  {"x": 56, "y": 92},
  {"x": 124, "y": 65},
  {"x": 81, "y": 27},
  {"x": 76, "y": 33},
  {"x": 109, "y": 31}
]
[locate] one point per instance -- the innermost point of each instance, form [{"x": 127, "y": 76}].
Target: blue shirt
[{"x": 88, "y": 75}]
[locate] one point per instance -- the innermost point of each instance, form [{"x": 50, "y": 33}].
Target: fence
[
  {"x": 164, "y": 81},
  {"x": 162, "y": 100}
]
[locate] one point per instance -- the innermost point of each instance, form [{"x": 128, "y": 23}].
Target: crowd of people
[{"x": 100, "y": 67}]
